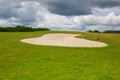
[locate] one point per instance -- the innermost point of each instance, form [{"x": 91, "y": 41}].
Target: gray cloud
[
  {"x": 78, "y": 7},
  {"x": 106, "y": 3},
  {"x": 6, "y": 12},
  {"x": 62, "y": 7},
  {"x": 70, "y": 7}
]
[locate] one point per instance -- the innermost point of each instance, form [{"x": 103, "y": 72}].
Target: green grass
[{"x": 21, "y": 61}]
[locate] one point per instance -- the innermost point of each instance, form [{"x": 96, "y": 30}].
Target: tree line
[
  {"x": 107, "y": 31},
  {"x": 21, "y": 29},
  {"x": 112, "y": 31}
]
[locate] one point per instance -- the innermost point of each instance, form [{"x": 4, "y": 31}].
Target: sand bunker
[{"x": 67, "y": 40}]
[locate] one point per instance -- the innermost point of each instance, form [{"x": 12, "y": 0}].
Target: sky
[{"x": 62, "y": 14}]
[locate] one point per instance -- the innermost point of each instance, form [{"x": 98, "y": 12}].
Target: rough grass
[{"x": 21, "y": 61}]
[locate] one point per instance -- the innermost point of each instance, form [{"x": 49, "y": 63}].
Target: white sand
[{"x": 67, "y": 40}]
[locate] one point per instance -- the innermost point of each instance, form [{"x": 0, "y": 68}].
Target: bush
[{"x": 21, "y": 29}]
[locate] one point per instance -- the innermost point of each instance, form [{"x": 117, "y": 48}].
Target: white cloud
[
  {"x": 2, "y": 21},
  {"x": 103, "y": 12},
  {"x": 9, "y": 22},
  {"x": 57, "y": 21},
  {"x": 28, "y": 10},
  {"x": 111, "y": 21}
]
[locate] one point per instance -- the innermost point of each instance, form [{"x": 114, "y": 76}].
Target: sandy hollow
[{"x": 67, "y": 40}]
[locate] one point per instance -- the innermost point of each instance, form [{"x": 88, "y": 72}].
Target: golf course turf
[{"x": 22, "y": 61}]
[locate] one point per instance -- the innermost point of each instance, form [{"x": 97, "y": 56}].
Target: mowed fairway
[{"x": 22, "y": 61}]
